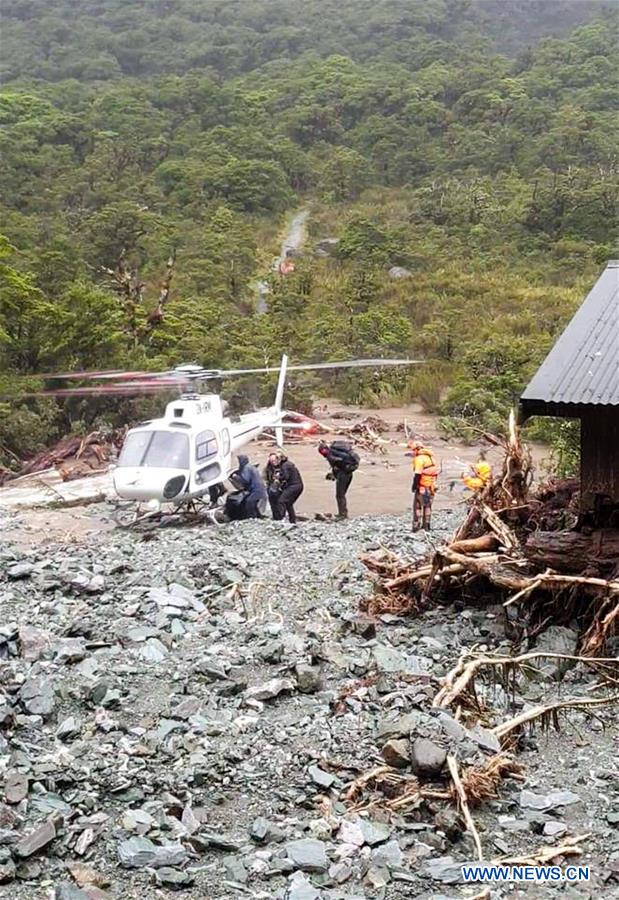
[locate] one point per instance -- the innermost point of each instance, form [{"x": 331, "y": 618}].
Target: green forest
[{"x": 458, "y": 162}]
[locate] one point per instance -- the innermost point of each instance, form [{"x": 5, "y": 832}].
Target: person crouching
[{"x": 251, "y": 481}]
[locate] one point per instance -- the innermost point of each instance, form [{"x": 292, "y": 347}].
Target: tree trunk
[{"x": 571, "y": 551}]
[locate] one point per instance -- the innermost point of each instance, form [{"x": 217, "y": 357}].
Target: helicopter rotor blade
[
  {"x": 102, "y": 375},
  {"x": 123, "y": 381},
  {"x": 306, "y": 367},
  {"x": 103, "y": 390}
]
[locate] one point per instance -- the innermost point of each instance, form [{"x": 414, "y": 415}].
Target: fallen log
[
  {"x": 503, "y": 532},
  {"x": 489, "y": 568},
  {"x": 572, "y": 551},
  {"x": 476, "y": 545}
]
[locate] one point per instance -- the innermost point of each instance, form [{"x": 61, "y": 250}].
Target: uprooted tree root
[
  {"x": 541, "y": 578},
  {"x": 459, "y": 683},
  {"x": 398, "y": 792},
  {"x": 500, "y": 554}
]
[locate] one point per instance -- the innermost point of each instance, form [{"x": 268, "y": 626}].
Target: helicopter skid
[{"x": 191, "y": 510}]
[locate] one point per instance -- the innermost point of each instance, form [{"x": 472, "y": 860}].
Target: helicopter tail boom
[{"x": 279, "y": 399}]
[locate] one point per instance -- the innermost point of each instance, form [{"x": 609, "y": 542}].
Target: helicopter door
[{"x": 208, "y": 468}]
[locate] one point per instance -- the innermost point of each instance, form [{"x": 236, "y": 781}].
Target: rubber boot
[{"x": 426, "y": 519}]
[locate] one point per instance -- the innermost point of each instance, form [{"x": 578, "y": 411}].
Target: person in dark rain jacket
[
  {"x": 285, "y": 486},
  {"x": 344, "y": 462},
  {"x": 251, "y": 480}
]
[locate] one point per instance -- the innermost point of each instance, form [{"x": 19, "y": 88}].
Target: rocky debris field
[{"x": 196, "y": 709}]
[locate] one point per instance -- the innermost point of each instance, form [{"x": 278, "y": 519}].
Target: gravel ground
[{"x": 186, "y": 708}]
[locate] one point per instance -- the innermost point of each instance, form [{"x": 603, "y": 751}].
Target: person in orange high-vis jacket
[
  {"x": 481, "y": 473},
  {"x": 425, "y": 475}
]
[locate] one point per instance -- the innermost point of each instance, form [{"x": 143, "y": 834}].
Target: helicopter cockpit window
[
  {"x": 155, "y": 449},
  {"x": 206, "y": 445}
]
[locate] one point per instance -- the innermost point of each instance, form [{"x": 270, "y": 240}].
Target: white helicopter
[{"x": 176, "y": 459}]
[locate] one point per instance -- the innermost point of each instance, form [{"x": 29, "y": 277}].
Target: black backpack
[{"x": 346, "y": 458}]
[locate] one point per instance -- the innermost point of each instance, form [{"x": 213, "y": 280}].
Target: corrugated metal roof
[{"x": 583, "y": 366}]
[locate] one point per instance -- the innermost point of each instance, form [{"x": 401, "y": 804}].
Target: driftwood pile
[
  {"x": 398, "y": 792},
  {"x": 73, "y": 457},
  {"x": 367, "y": 434},
  {"x": 507, "y": 547},
  {"x": 501, "y": 550}
]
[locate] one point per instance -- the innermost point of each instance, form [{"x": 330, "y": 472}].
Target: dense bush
[{"x": 491, "y": 181}]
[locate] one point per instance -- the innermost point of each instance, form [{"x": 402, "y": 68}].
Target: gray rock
[
  {"x": 299, "y": 888},
  {"x": 34, "y": 642},
  {"x": 399, "y": 272},
  {"x": 451, "y": 727},
  {"x": 68, "y": 891},
  {"x": 375, "y": 832},
  {"x": 87, "y": 583},
  {"x": 48, "y": 804},
  {"x": 235, "y": 869},
  {"x": 320, "y": 777},
  {"x": 444, "y": 869},
  {"x": 15, "y": 787},
  {"x": 400, "y": 727},
  {"x": 141, "y": 633},
  {"x": 218, "y": 841},
  {"x": 340, "y": 872},
  {"x": 7, "y": 870},
  {"x": 40, "y": 837},
  {"x": 484, "y": 738},
  {"x": 139, "y": 852},
  {"x": 153, "y": 650},
  {"x": 427, "y": 758},
  {"x": 37, "y": 696},
  {"x": 137, "y": 820},
  {"x": 556, "y": 639},
  {"x": 69, "y": 729},
  {"x": 552, "y": 800},
  {"x": 309, "y": 679},
  {"x": 387, "y": 659},
  {"x": 554, "y": 829},
  {"x": 187, "y": 708},
  {"x": 173, "y": 879},
  {"x": 388, "y": 856},
  {"x": 351, "y": 832},
  {"x": 397, "y": 753},
  {"x": 19, "y": 571},
  {"x": 69, "y": 650},
  {"x": 262, "y": 831},
  {"x": 308, "y": 855},
  {"x": 269, "y": 690}
]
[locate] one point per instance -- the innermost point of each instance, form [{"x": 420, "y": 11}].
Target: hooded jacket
[{"x": 251, "y": 479}]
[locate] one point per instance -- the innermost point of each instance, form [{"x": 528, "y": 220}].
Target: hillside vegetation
[{"x": 198, "y": 127}]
